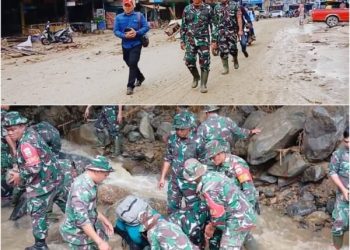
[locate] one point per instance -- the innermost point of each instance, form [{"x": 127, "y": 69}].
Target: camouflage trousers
[
  {"x": 228, "y": 45},
  {"x": 192, "y": 221},
  {"x": 91, "y": 246},
  {"x": 6, "y": 164},
  {"x": 340, "y": 216},
  {"x": 37, "y": 209},
  {"x": 203, "y": 52},
  {"x": 229, "y": 239},
  {"x": 108, "y": 122},
  {"x": 178, "y": 189}
]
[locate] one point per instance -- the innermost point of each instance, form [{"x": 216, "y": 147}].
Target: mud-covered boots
[
  {"x": 117, "y": 147},
  {"x": 204, "y": 80},
  {"x": 338, "y": 241},
  {"x": 250, "y": 243},
  {"x": 39, "y": 245},
  {"x": 101, "y": 139},
  {"x": 225, "y": 65},
  {"x": 235, "y": 62},
  {"x": 196, "y": 77}
]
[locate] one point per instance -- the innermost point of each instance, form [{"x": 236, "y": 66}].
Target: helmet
[
  {"x": 100, "y": 163},
  {"x": 13, "y": 118},
  {"x": 211, "y": 108},
  {"x": 193, "y": 169},
  {"x": 214, "y": 147},
  {"x": 181, "y": 121}
]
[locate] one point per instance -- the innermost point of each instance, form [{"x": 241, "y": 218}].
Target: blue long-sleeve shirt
[{"x": 134, "y": 20}]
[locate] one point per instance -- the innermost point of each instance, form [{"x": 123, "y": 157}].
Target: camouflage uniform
[
  {"x": 222, "y": 129},
  {"x": 81, "y": 209},
  {"x": 230, "y": 211},
  {"x": 165, "y": 235},
  {"x": 226, "y": 28},
  {"x": 339, "y": 165},
  {"x": 42, "y": 176},
  {"x": 195, "y": 34},
  {"x": 192, "y": 118},
  {"x": 178, "y": 151},
  {"x": 50, "y": 135},
  {"x": 6, "y": 159}
]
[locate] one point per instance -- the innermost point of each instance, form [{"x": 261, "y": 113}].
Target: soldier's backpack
[{"x": 129, "y": 208}]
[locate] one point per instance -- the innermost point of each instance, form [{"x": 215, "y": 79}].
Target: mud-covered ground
[{"x": 288, "y": 64}]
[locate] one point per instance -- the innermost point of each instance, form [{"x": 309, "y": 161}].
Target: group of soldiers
[
  {"x": 211, "y": 198},
  {"x": 225, "y": 22}
]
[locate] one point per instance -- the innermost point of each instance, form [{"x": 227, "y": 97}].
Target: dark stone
[
  {"x": 247, "y": 110},
  {"x": 265, "y": 177},
  {"x": 254, "y": 119},
  {"x": 128, "y": 128},
  {"x": 307, "y": 196},
  {"x": 301, "y": 208},
  {"x": 330, "y": 205},
  {"x": 314, "y": 173},
  {"x": 292, "y": 165},
  {"x": 134, "y": 136}
]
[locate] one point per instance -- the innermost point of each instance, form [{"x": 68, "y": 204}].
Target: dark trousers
[{"x": 131, "y": 57}]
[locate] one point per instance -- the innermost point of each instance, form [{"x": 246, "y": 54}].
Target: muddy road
[{"x": 287, "y": 64}]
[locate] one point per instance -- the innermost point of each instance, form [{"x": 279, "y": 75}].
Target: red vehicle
[{"x": 331, "y": 16}]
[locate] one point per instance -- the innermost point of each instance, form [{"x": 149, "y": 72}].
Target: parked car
[
  {"x": 263, "y": 14},
  {"x": 331, "y": 16},
  {"x": 276, "y": 13}
]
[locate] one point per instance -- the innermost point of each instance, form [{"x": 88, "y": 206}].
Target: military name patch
[{"x": 30, "y": 154}]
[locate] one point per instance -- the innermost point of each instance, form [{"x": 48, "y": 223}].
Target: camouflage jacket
[
  {"x": 39, "y": 168},
  {"x": 191, "y": 117},
  {"x": 227, "y": 204},
  {"x": 107, "y": 116},
  {"x": 179, "y": 150},
  {"x": 220, "y": 128},
  {"x": 50, "y": 135},
  {"x": 237, "y": 169},
  {"x": 225, "y": 20},
  {"x": 81, "y": 209},
  {"x": 6, "y": 158},
  {"x": 195, "y": 24},
  {"x": 340, "y": 165},
  {"x": 168, "y": 236}
]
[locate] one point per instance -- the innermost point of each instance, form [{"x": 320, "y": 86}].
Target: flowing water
[{"x": 273, "y": 231}]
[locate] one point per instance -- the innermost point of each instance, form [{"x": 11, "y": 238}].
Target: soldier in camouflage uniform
[
  {"x": 230, "y": 211},
  {"x": 220, "y": 128},
  {"x": 39, "y": 171},
  {"x": 195, "y": 39},
  {"x": 7, "y": 152},
  {"x": 237, "y": 170},
  {"x": 339, "y": 172},
  {"x": 191, "y": 116},
  {"x": 50, "y": 134},
  {"x": 109, "y": 118},
  {"x": 227, "y": 25},
  {"x": 162, "y": 234},
  {"x": 85, "y": 228},
  {"x": 181, "y": 146}
]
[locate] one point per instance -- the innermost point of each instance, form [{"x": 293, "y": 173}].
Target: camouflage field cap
[
  {"x": 100, "y": 163},
  {"x": 214, "y": 147},
  {"x": 211, "y": 108},
  {"x": 14, "y": 118},
  {"x": 181, "y": 121},
  {"x": 193, "y": 169}
]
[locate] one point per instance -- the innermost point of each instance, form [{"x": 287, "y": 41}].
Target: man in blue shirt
[{"x": 130, "y": 26}]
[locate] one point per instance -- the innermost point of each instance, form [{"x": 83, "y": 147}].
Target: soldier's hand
[
  {"x": 346, "y": 194},
  {"x": 182, "y": 45},
  {"x": 120, "y": 118},
  {"x": 240, "y": 33},
  {"x": 214, "y": 45},
  {"x": 209, "y": 231},
  {"x": 255, "y": 131},
  {"x": 87, "y": 113},
  {"x": 103, "y": 245},
  {"x": 161, "y": 184},
  {"x": 15, "y": 179}
]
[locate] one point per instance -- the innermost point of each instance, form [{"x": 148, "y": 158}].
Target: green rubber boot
[
  {"x": 101, "y": 139},
  {"x": 204, "y": 80},
  {"x": 225, "y": 64},
  {"x": 117, "y": 147},
  {"x": 196, "y": 76},
  {"x": 338, "y": 241},
  {"x": 250, "y": 243},
  {"x": 235, "y": 62}
]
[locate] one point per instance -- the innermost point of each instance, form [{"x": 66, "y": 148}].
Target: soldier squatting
[{"x": 212, "y": 201}]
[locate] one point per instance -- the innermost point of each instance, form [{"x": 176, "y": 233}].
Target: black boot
[
  {"x": 39, "y": 245},
  {"x": 196, "y": 77},
  {"x": 338, "y": 241},
  {"x": 235, "y": 62},
  {"x": 225, "y": 65},
  {"x": 204, "y": 80}
]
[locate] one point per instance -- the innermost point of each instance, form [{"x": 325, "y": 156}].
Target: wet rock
[
  {"x": 164, "y": 129},
  {"x": 138, "y": 156},
  {"x": 253, "y": 119},
  {"x": 134, "y": 136},
  {"x": 134, "y": 167},
  {"x": 324, "y": 127},
  {"x": 128, "y": 128},
  {"x": 314, "y": 173},
  {"x": 279, "y": 130},
  {"x": 330, "y": 205},
  {"x": 307, "y": 196},
  {"x": 146, "y": 128},
  {"x": 269, "y": 193},
  {"x": 292, "y": 165},
  {"x": 265, "y": 177},
  {"x": 317, "y": 218},
  {"x": 156, "y": 121},
  {"x": 301, "y": 208},
  {"x": 110, "y": 194},
  {"x": 241, "y": 148},
  {"x": 85, "y": 134},
  {"x": 149, "y": 155},
  {"x": 323, "y": 192},
  {"x": 282, "y": 182},
  {"x": 56, "y": 115},
  {"x": 247, "y": 110}
]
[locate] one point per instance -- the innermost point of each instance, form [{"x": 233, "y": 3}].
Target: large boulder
[
  {"x": 254, "y": 119},
  {"x": 291, "y": 165},
  {"x": 323, "y": 128},
  {"x": 85, "y": 134},
  {"x": 163, "y": 130},
  {"x": 146, "y": 128},
  {"x": 279, "y": 130},
  {"x": 315, "y": 173},
  {"x": 300, "y": 208}
]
